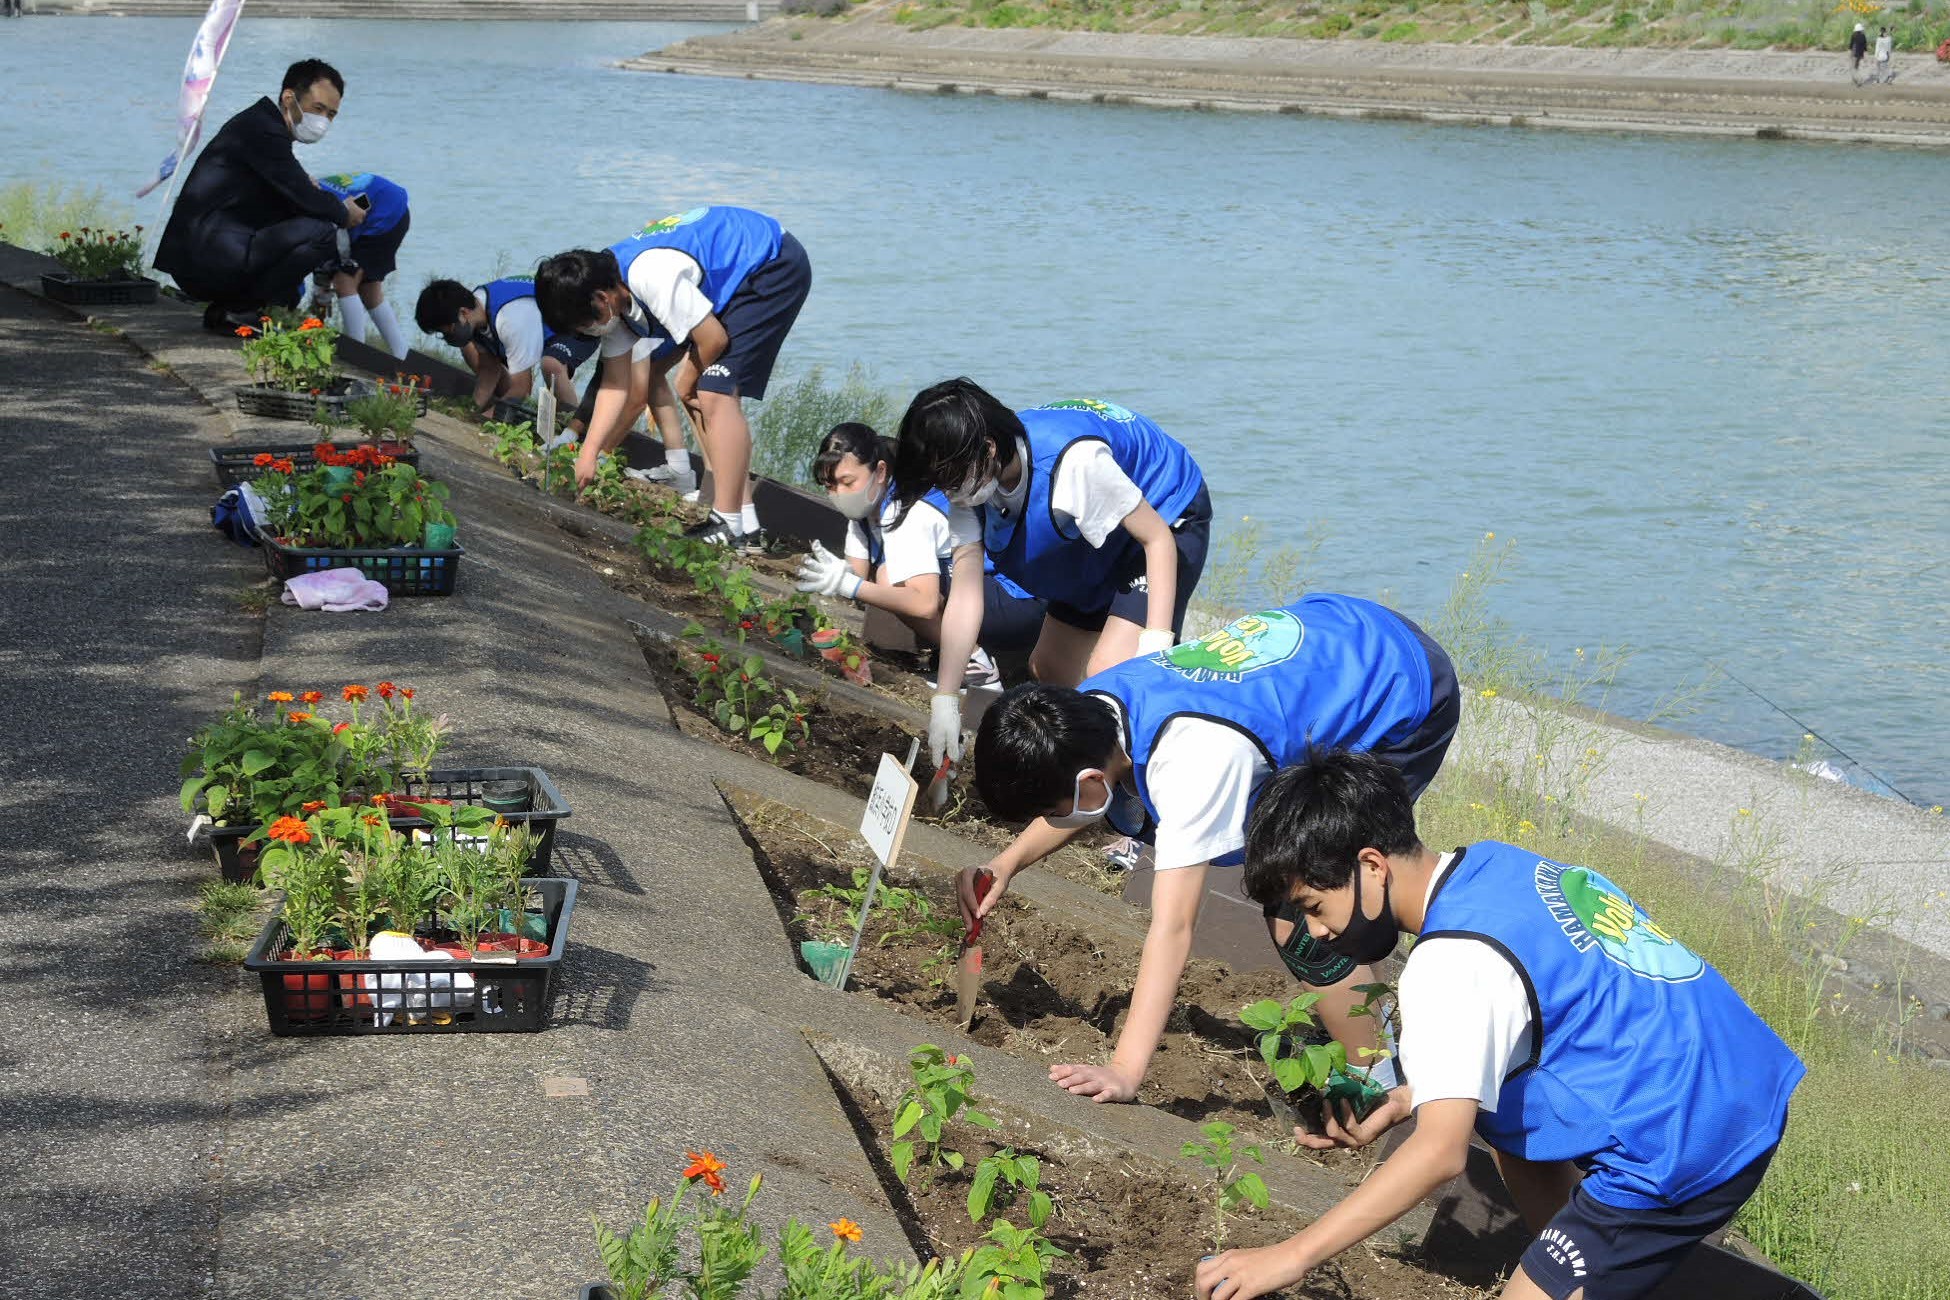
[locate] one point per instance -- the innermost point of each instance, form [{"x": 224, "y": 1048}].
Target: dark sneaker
[
  {"x": 754, "y": 542},
  {"x": 718, "y": 531}
]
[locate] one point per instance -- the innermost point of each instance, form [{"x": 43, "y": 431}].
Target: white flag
[{"x": 199, "y": 75}]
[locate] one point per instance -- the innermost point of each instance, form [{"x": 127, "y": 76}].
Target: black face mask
[{"x": 1367, "y": 940}]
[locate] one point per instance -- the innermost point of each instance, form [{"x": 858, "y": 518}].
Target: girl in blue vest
[
  {"x": 1173, "y": 748},
  {"x": 373, "y": 254},
  {"x": 706, "y": 296},
  {"x": 1631, "y": 1098},
  {"x": 1086, "y": 506},
  {"x": 903, "y": 561}
]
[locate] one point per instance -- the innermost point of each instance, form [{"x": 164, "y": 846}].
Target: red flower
[
  {"x": 347, "y": 498},
  {"x": 262, "y": 459},
  {"x": 284, "y": 466},
  {"x": 313, "y": 806},
  {"x": 340, "y": 727},
  {"x": 65, "y": 235},
  {"x": 386, "y": 690},
  {"x": 311, "y": 323},
  {"x": 290, "y": 830},
  {"x": 407, "y": 691},
  {"x": 370, "y": 820},
  {"x": 323, "y": 449},
  {"x": 706, "y": 1167},
  {"x": 354, "y": 693},
  {"x": 244, "y": 332},
  {"x": 312, "y": 697},
  {"x": 358, "y": 477}
]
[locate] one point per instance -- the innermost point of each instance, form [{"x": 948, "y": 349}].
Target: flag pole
[{"x": 207, "y": 50}]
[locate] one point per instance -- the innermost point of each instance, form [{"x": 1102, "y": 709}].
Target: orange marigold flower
[
  {"x": 298, "y": 716},
  {"x": 323, "y": 449},
  {"x": 279, "y": 697},
  {"x": 380, "y": 800},
  {"x": 406, "y": 691},
  {"x": 313, "y": 806},
  {"x": 262, "y": 459},
  {"x": 312, "y": 697},
  {"x": 386, "y": 690},
  {"x": 706, "y": 1167},
  {"x": 244, "y": 332},
  {"x": 341, "y": 727},
  {"x": 312, "y": 323},
  {"x": 370, "y": 820},
  {"x": 846, "y": 1230},
  {"x": 354, "y": 692},
  {"x": 290, "y": 830},
  {"x": 284, "y": 466}
]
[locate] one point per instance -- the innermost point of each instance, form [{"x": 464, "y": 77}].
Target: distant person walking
[
  {"x": 1884, "y": 45},
  {"x": 1858, "y": 45}
]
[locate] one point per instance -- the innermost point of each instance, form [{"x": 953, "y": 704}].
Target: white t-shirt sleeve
[
  {"x": 1201, "y": 777},
  {"x": 919, "y": 545},
  {"x": 1465, "y": 1021},
  {"x": 670, "y": 284},
  {"x": 856, "y": 540},
  {"x": 964, "y": 527},
  {"x": 519, "y": 327},
  {"x": 1091, "y": 493}
]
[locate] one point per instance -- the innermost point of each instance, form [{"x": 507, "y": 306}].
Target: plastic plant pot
[
  {"x": 340, "y": 475},
  {"x": 509, "y": 796},
  {"x": 827, "y": 960},
  {"x": 533, "y": 924},
  {"x": 791, "y": 640},
  {"x": 439, "y": 537}
]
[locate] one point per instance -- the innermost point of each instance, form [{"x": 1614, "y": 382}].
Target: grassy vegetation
[
  {"x": 33, "y": 216},
  {"x": 1854, "y": 1204},
  {"x": 1743, "y": 24},
  {"x": 788, "y": 425}
]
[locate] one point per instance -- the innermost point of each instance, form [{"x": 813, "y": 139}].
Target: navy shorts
[
  {"x": 757, "y": 319},
  {"x": 571, "y": 350},
  {"x": 1619, "y": 1254},
  {"x": 378, "y": 256},
  {"x": 1418, "y": 757},
  {"x": 1010, "y": 623},
  {"x": 1130, "y": 599}
]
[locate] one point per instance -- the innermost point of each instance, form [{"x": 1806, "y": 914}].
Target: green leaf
[
  {"x": 1289, "y": 1074},
  {"x": 255, "y": 761},
  {"x": 906, "y": 1117},
  {"x": 1264, "y": 1015},
  {"x": 192, "y": 788},
  {"x": 979, "y": 1120},
  {"x": 1040, "y": 1208},
  {"x": 954, "y": 1159},
  {"x": 982, "y": 1190},
  {"x": 1254, "y": 1188}
]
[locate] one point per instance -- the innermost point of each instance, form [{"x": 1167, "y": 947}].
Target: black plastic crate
[
  {"x": 62, "y": 287},
  {"x": 546, "y": 806},
  {"x": 283, "y": 404},
  {"x": 234, "y": 465},
  {"x": 319, "y": 998},
  {"x": 408, "y": 571}
]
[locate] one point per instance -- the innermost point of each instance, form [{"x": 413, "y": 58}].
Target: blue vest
[
  {"x": 728, "y": 244},
  {"x": 388, "y": 200},
  {"x": 877, "y": 546},
  {"x": 1326, "y": 670},
  {"x": 1644, "y": 1060},
  {"x": 498, "y": 294},
  {"x": 1053, "y": 561}
]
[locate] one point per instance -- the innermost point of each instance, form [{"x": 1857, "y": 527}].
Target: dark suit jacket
[{"x": 244, "y": 180}]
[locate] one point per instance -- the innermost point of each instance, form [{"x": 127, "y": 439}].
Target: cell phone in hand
[{"x": 361, "y": 202}]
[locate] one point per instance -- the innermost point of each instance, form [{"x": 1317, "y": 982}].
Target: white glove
[
  {"x": 827, "y": 574},
  {"x": 944, "y": 729},
  {"x": 1154, "y": 639}
]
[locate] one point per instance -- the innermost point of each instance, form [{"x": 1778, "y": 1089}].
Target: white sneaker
[
  {"x": 981, "y": 671},
  {"x": 679, "y": 481}
]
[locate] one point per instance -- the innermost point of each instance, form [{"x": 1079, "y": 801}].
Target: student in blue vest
[
  {"x": 500, "y": 334},
  {"x": 1173, "y": 748},
  {"x": 371, "y": 256},
  {"x": 1631, "y": 1098},
  {"x": 1086, "y": 506},
  {"x": 904, "y": 561},
  {"x": 705, "y": 296}
]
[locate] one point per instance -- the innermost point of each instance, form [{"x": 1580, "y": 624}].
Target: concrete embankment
[
  {"x": 1715, "y": 92},
  {"x": 659, "y": 11}
]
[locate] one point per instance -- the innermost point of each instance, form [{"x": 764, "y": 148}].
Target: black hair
[
  {"x": 1314, "y": 817},
  {"x": 850, "y": 438},
  {"x": 1033, "y": 742},
  {"x": 441, "y": 304},
  {"x": 566, "y": 283},
  {"x": 306, "y": 73},
  {"x": 943, "y": 435}
]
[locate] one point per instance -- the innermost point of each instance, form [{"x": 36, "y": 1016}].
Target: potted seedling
[
  {"x": 310, "y": 881},
  {"x": 294, "y": 369},
  {"x": 1308, "y": 1075},
  {"x": 99, "y": 268}
]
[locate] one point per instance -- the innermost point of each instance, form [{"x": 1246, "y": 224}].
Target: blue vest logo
[
  {"x": 1593, "y": 912},
  {"x": 1109, "y": 410},
  {"x": 1244, "y": 646},
  {"x": 663, "y": 225}
]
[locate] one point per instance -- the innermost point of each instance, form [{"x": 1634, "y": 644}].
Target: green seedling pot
[
  {"x": 826, "y": 959},
  {"x": 439, "y": 537},
  {"x": 534, "y": 925},
  {"x": 792, "y": 640},
  {"x": 507, "y": 796},
  {"x": 340, "y": 475}
]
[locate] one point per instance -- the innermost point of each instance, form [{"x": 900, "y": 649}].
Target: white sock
[
  {"x": 734, "y": 522},
  {"x": 748, "y": 520},
  {"x": 389, "y": 329},
  {"x": 353, "y": 321},
  {"x": 678, "y": 458}
]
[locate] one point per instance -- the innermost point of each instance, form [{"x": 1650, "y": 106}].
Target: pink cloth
[{"x": 336, "y": 591}]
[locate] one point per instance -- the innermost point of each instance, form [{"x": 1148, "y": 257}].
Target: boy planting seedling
[
  {"x": 1631, "y": 1099},
  {"x": 1172, "y": 748}
]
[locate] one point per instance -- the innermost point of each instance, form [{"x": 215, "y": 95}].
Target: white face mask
[
  {"x": 597, "y": 331},
  {"x": 311, "y": 128},
  {"x": 1078, "y": 815},
  {"x": 975, "y": 497},
  {"x": 857, "y": 504}
]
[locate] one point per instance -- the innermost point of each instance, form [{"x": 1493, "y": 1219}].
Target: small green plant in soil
[
  {"x": 1012, "y": 1263},
  {"x": 942, "y": 1092},
  {"x": 905, "y": 910},
  {"x": 388, "y": 415},
  {"x": 1221, "y": 1158},
  {"x": 741, "y": 699},
  {"x": 1002, "y": 1177},
  {"x": 513, "y": 443}
]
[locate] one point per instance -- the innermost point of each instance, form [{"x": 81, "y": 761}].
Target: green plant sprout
[
  {"x": 1218, "y": 1154},
  {"x": 1000, "y": 1178},
  {"x": 942, "y": 1091},
  {"x": 1011, "y": 1264}
]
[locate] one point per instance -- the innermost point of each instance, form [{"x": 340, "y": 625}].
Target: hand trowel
[{"x": 968, "y": 970}]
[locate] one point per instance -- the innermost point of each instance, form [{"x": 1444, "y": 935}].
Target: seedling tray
[
  {"x": 283, "y": 404},
  {"x": 234, "y": 465},
  {"x": 330, "y": 998},
  {"x": 546, "y": 806},
  {"x": 407, "y": 571},
  {"x": 62, "y": 287}
]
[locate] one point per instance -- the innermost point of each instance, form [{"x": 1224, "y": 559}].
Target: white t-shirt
[
  {"x": 1088, "y": 491},
  {"x": 1201, "y": 777},
  {"x": 1465, "y": 1017},
  {"x": 922, "y": 544},
  {"x": 669, "y": 285},
  {"x": 1883, "y": 45},
  {"x": 519, "y": 327}
]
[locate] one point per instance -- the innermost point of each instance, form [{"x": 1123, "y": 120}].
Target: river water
[{"x": 1699, "y": 383}]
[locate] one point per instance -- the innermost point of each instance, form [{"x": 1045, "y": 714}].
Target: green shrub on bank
[
  {"x": 33, "y": 216},
  {"x": 794, "y": 417}
]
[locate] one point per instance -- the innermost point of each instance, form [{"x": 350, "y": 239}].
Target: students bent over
[
  {"x": 1631, "y": 1098},
  {"x": 1173, "y": 748}
]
